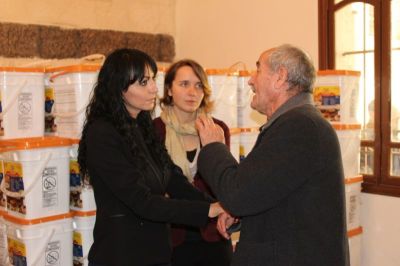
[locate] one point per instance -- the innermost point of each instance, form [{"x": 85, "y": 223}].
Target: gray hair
[{"x": 301, "y": 71}]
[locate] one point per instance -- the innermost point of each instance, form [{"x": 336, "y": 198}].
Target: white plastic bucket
[
  {"x": 83, "y": 225},
  {"x": 73, "y": 86},
  {"x": 224, "y": 94},
  {"x": 248, "y": 138},
  {"x": 336, "y": 95},
  {"x": 81, "y": 192},
  {"x": 353, "y": 202},
  {"x": 21, "y": 102},
  {"x": 247, "y": 116},
  {"x": 3, "y": 240},
  {"x": 349, "y": 140},
  {"x": 160, "y": 92},
  {"x": 45, "y": 241},
  {"x": 36, "y": 176},
  {"x": 355, "y": 236}
]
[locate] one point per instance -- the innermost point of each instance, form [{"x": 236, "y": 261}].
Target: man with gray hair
[{"x": 289, "y": 190}]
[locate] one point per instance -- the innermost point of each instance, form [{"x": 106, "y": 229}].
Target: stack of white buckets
[
  {"x": 39, "y": 171},
  {"x": 71, "y": 87},
  {"x": 336, "y": 94}
]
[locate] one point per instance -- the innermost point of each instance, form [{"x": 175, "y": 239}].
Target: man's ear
[{"x": 282, "y": 75}]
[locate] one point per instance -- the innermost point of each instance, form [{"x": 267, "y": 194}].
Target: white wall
[
  {"x": 151, "y": 16},
  {"x": 380, "y": 217},
  {"x": 220, "y": 33}
]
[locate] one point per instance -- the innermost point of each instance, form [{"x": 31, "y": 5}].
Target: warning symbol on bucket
[
  {"x": 49, "y": 178},
  {"x": 53, "y": 253}
]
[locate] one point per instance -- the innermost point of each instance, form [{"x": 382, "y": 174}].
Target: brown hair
[{"x": 198, "y": 70}]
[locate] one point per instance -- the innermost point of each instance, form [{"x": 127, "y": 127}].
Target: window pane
[
  {"x": 354, "y": 50},
  {"x": 367, "y": 160},
  {"x": 395, "y": 66},
  {"x": 395, "y": 163}
]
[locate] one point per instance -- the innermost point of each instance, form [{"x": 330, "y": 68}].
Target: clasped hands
[{"x": 225, "y": 220}]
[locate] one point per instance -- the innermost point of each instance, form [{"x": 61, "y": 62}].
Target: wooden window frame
[{"x": 380, "y": 182}]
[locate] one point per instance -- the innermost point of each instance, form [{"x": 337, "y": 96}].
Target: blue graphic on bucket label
[
  {"x": 49, "y": 187},
  {"x": 53, "y": 252}
]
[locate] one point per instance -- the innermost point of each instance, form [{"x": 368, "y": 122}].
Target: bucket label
[
  {"x": 78, "y": 249},
  {"x": 53, "y": 251},
  {"x": 49, "y": 187},
  {"x": 14, "y": 182},
  {"x": 1, "y": 118},
  {"x": 75, "y": 182},
  {"x": 327, "y": 100},
  {"x": 49, "y": 125},
  {"x": 16, "y": 252},
  {"x": 25, "y": 112},
  {"x": 2, "y": 197}
]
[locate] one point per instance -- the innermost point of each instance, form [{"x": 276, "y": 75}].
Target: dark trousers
[{"x": 202, "y": 253}]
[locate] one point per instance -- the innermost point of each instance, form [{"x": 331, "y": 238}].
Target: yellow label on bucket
[
  {"x": 50, "y": 126},
  {"x": 13, "y": 179},
  {"x": 16, "y": 251},
  {"x": 327, "y": 100},
  {"x": 77, "y": 248},
  {"x": 1, "y": 171},
  {"x": 13, "y": 176}
]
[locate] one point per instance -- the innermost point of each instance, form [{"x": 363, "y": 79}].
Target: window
[{"x": 364, "y": 35}]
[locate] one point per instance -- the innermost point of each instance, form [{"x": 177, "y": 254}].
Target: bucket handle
[
  {"x": 42, "y": 249},
  {"x": 13, "y": 98},
  {"x": 69, "y": 115},
  {"x": 36, "y": 178}
]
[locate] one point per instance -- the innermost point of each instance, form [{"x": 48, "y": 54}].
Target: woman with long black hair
[{"x": 137, "y": 188}]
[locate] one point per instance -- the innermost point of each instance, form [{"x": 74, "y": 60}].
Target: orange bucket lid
[
  {"x": 220, "y": 71},
  {"x": 84, "y": 214},
  {"x": 23, "y": 69},
  {"x": 346, "y": 126},
  {"x": 40, "y": 220},
  {"x": 333, "y": 72},
  {"x": 33, "y": 143},
  {"x": 250, "y": 130},
  {"x": 244, "y": 73},
  {"x": 234, "y": 130},
  {"x": 75, "y": 141},
  {"x": 74, "y": 68},
  {"x": 355, "y": 232},
  {"x": 354, "y": 179}
]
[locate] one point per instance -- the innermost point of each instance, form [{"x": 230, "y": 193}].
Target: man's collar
[{"x": 299, "y": 99}]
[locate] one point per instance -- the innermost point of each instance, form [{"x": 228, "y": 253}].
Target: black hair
[{"x": 122, "y": 68}]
